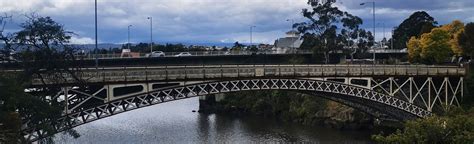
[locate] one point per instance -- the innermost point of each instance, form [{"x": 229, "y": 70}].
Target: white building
[
  {"x": 292, "y": 41},
  {"x": 325, "y": 1}
]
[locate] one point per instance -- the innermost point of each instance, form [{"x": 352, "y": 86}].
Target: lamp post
[
  {"x": 393, "y": 33},
  {"x": 128, "y": 44},
  {"x": 293, "y": 44},
  {"x": 151, "y": 34},
  {"x": 383, "y": 42},
  {"x": 251, "y": 31},
  {"x": 96, "y": 47},
  {"x": 292, "y": 23},
  {"x": 373, "y": 8}
]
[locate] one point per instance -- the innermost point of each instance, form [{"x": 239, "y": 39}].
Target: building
[
  {"x": 291, "y": 42},
  {"x": 325, "y": 1},
  {"x": 322, "y": 1},
  {"x": 265, "y": 47}
]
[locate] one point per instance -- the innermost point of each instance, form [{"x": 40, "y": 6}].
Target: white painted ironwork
[
  {"x": 344, "y": 91},
  {"x": 401, "y": 91}
]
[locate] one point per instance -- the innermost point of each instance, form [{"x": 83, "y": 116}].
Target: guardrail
[
  {"x": 193, "y": 53},
  {"x": 210, "y": 72}
]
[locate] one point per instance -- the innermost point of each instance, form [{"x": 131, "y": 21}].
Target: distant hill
[
  {"x": 107, "y": 46},
  {"x": 110, "y": 45}
]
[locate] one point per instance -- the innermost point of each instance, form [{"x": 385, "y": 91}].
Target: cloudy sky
[{"x": 213, "y": 21}]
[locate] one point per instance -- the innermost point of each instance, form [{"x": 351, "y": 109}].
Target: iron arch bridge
[{"x": 400, "y": 92}]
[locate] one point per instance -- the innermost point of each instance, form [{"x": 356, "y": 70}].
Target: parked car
[
  {"x": 7, "y": 56},
  {"x": 183, "y": 54},
  {"x": 156, "y": 54}
]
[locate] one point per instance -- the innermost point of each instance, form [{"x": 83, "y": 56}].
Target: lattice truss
[
  {"x": 84, "y": 108},
  {"x": 433, "y": 94}
]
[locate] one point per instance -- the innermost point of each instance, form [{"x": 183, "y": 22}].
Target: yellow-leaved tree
[
  {"x": 436, "y": 46},
  {"x": 454, "y": 28},
  {"x": 414, "y": 50}
]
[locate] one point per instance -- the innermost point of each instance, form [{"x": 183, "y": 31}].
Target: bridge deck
[{"x": 209, "y": 72}]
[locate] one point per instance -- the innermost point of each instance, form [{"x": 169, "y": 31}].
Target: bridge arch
[{"x": 347, "y": 94}]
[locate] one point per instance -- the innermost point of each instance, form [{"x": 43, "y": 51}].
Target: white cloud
[
  {"x": 114, "y": 11},
  {"x": 471, "y": 19},
  {"x": 81, "y": 40},
  {"x": 214, "y": 20}
]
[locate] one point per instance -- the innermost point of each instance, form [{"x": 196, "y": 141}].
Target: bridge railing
[
  {"x": 209, "y": 72},
  {"x": 193, "y": 53}
]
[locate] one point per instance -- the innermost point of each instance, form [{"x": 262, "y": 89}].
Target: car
[
  {"x": 5, "y": 56},
  {"x": 156, "y": 54},
  {"x": 183, "y": 54}
]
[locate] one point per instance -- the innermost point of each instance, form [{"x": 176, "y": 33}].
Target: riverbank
[{"x": 289, "y": 107}]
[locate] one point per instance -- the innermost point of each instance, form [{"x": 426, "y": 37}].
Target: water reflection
[{"x": 175, "y": 123}]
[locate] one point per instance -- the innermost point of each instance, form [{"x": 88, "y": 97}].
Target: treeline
[
  {"x": 145, "y": 48},
  {"x": 456, "y": 127},
  {"x": 291, "y": 107},
  {"x": 441, "y": 43}
]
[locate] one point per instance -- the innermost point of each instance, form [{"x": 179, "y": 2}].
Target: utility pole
[
  {"x": 292, "y": 22},
  {"x": 251, "y": 28},
  {"x": 383, "y": 28},
  {"x": 293, "y": 44},
  {"x": 373, "y": 8},
  {"x": 393, "y": 33},
  {"x": 96, "y": 45},
  {"x": 151, "y": 34},
  {"x": 128, "y": 44}
]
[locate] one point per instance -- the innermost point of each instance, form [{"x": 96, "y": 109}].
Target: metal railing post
[
  {"x": 204, "y": 71},
  {"x": 125, "y": 72},
  {"x": 166, "y": 72},
  {"x": 238, "y": 71},
  {"x": 103, "y": 74},
  {"x": 146, "y": 73}
]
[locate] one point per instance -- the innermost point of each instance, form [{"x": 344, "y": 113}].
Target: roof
[
  {"x": 288, "y": 42},
  {"x": 293, "y": 32}
]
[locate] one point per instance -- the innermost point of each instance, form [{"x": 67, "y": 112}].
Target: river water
[{"x": 174, "y": 122}]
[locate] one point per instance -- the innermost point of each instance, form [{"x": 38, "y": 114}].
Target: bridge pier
[{"x": 208, "y": 101}]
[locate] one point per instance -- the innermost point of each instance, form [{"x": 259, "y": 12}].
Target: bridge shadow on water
[{"x": 174, "y": 122}]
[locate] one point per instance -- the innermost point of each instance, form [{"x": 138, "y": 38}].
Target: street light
[
  {"x": 373, "y": 6},
  {"x": 251, "y": 28},
  {"x": 151, "y": 34},
  {"x": 292, "y": 23},
  {"x": 96, "y": 47},
  {"x": 128, "y": 44},
  {"x": 383, "y": 27},
  {"x": 293, "y": 44},
  {"x": 393, "y": 33}
]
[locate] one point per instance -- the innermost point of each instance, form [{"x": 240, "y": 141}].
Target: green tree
[
  {"x": 237, "y": 46},
  {"x": 44, "y": 54},
  {"x": 465, "y": 39},
  {"x": 458, "y": 128},
  {"x": 328, "y": 28},
  {"x": 417, "y": 24},
  {"x": 11, "y": 96},
  {"x": 414, "y": 50},
  {"x": 436, "y": 47}
]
